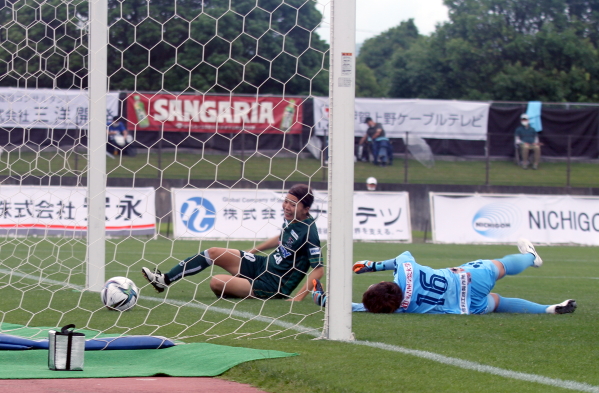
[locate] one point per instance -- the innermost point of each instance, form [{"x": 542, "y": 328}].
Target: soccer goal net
[{"x": 138, "y": 134}]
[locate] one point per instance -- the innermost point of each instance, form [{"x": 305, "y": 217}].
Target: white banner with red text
[
  {"x": 435, "y": 119},
  {"x": 62, "y": 211},
  {"x": 49, "y": 108},
  {"x": 504, "y": 218},
  {"x": 214, "y": 114},
  {"x": 258, "y": 214}
]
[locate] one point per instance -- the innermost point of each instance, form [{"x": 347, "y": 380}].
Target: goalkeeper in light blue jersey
[{"x": 460, "y": 290}]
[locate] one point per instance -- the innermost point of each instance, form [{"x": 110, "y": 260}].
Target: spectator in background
[
  {"x": 527, "y": 139},
  {"x": 119, "y": 139},
  {"x": 371, "y": 184},
  {"x": 381, "y": 147}
]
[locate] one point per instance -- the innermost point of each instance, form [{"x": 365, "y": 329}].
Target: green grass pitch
[
  {"x": 257, "y": 167},
  {"x": 559, "y": 347}
]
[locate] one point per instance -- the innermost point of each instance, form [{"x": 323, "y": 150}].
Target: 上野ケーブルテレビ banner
[{"x": 436, "y": 119}]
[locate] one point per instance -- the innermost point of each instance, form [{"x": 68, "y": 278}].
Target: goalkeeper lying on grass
[{"x": 459, "y": 290}]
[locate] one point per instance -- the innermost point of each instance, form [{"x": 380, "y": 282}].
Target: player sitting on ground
[
  {"x": 459, "y": 290},
  {"x": 273, "y": 276}
]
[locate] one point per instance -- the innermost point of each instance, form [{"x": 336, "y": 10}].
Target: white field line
[
  {"x": 464, "y": 364},
  {"x": 468, "y": 365}
]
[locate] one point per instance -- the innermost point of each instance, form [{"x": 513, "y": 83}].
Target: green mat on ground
[{"x": 187, "y": 360}]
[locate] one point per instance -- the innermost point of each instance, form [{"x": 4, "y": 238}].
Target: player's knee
[
  {"x": 217, "y": 286},
  {"x": 496, "y": 300},
  {"x": 211, "y": 252}
]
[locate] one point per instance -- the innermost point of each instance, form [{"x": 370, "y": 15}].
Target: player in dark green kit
[{"x": 297, "y": 249}]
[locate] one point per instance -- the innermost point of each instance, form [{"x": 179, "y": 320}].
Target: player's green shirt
[{"x": 299, "y": 248}]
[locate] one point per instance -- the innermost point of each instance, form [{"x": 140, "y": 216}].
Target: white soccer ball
[{"x": 119, "y": 293}]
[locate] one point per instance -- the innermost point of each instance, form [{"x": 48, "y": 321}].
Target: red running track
[{"x": 129, "y": 385}]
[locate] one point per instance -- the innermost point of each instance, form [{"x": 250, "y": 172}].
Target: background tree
[
  {"x": 503, "y": 50},
  {"x": 43, "y": 44},
  {"x": 376, "y": 54},
  {"x": 249, "y": 46}
]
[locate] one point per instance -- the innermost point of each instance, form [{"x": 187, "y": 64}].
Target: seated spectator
[
  {"x": 381, "y": 146},
  {"x": 362, "y": 151},
  {"x": 527, "y": 139},
  {"x": 119, "y": 139}
]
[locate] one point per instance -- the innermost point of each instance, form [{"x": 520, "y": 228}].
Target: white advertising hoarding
[
  {"x": 437, "y": 119},
  {"x": 503, "y": 218},
  {"x": 49, "y": 108},
  {"x": 62, "y": 211},
  {"x": 258, "y": 214}
]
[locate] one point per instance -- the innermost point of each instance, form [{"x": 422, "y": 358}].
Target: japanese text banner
[
  {"x": 436, "y": 119},
  {"x": 258, "y": 214},
  {"x": 62, "y": 211},
  {"x": 502, "y": 218},
  {"x": 49, "y": 108},
  {"x": 222, "y": 114}
]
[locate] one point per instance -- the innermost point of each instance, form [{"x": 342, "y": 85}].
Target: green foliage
[
  {"x": 366, "y": 82},
  {"x": 243, "y": 46},
  {"x": 43, "y": 44},
  {"x": 376, "y": 54},
  {"x": 497, "y": 50}
]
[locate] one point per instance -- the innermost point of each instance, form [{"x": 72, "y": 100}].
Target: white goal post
[
  {"x": 341, "y": 168},
  {"x": 96, "y": 173}
]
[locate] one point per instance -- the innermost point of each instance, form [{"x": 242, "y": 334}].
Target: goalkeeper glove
[
  {"x": 364, "y": 267},
  {"x": 318, "y": 295}
]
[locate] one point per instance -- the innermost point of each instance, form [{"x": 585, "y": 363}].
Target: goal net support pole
[
  {"x": 338, "y": 324},
  {"x": 96, "y": 147}
]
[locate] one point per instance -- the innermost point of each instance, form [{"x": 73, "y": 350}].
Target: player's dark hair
[
  {"x": 384, "y": 297},
  {"x": 303, "y": 193}
]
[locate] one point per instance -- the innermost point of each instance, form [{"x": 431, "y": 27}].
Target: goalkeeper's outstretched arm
[
  {"x": 314, "y": 275},
  {"x": 370, "y": 266}
]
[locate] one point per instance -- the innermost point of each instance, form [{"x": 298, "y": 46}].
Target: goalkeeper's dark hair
[
  {"x": 303, "y": 193},
  {"x": 384, "y": 297}
]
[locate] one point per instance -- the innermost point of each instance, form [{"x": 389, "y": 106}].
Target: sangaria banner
[
  {"x": 435, "y": 119},
  {"x": 222, "y": 114},
  {"x": 501, "y": 218},
  {"x": 258, "y": 214},
  {"x": 62, "y": 211}
]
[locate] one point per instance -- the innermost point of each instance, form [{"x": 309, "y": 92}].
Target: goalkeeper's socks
[
  {"x": 385, "y": 265},
  {"x": 521, "y": 306},
  {"x": 189, "y": 267},
  {"x": 517, "y": 263}
]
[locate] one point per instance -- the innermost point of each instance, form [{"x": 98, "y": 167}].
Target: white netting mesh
[{"x": 207, "y": 99}]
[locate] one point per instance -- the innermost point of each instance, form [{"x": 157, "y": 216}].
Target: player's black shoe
[{"x": 565, "y": 307}]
